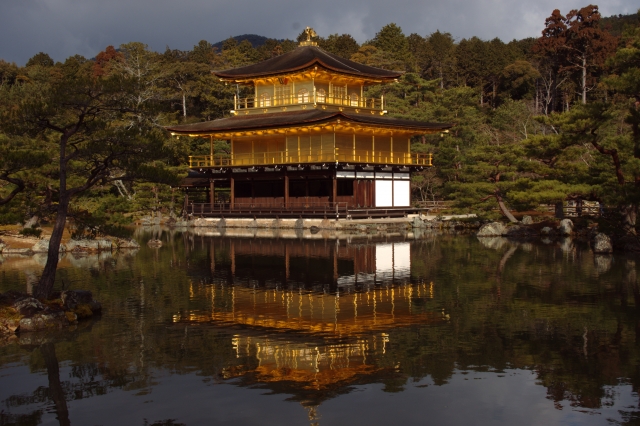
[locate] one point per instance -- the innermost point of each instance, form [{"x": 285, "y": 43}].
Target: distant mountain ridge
[{"x": 255, "y": 40}]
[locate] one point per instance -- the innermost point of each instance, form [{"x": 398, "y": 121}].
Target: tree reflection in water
[{"x": 56, "y": 393}]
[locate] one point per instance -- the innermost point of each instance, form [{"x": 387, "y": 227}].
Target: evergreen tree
[
  {"x": 391, "y": 40},
  {"x": 97, "y": 128},
  {"x": 440, "y": 60},
  {"x": 341, "y": 45}
]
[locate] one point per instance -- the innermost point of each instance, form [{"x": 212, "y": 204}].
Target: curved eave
[
  {"x": 302, "y": 58},
  {"x": 304, "y": 118},
  {"x": 239, "y": 78}
]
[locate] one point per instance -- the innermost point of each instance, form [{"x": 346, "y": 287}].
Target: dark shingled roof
[
  {"x": 304, "y": 57},
  {"x": 293, "y": 118}
]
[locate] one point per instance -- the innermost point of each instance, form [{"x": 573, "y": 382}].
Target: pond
[{"x": 272, "y": 328}]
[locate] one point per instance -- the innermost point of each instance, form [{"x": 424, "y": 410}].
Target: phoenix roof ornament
[{"x": 310, "y": 34}]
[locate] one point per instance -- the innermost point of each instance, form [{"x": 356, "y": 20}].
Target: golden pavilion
[{"x": 307, "y": 143}]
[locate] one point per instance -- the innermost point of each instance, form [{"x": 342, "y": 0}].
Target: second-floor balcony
[
  {"x": 303, "y": 100},
  {"x": 316, "y": 157}
]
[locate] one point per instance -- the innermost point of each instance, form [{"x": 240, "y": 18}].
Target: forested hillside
[
  {"x": 538, "y": 120},
  {"x": 255, "y": 40}
]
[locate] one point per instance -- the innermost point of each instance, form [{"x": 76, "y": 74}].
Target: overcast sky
[{"x": 63, "y": 28}]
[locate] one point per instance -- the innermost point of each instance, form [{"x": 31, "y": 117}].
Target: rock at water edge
[
  {"x": 601, "y": 244},
  {"x": 527, "y": 220},
  {"x": 493, "y": 229},
  {"x": 566, "y": 227}
]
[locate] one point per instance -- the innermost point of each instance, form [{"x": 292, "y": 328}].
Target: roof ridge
[{"x": 337, "y": 59}]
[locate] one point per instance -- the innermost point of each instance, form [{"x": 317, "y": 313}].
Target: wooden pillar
[
  {"x": 334, "y": 189},
  {"x": 233, "y": 156},
  {"x": 233, "y": 193},
  {"x": 354, "y": 149},
  {"x": 286, "y": 190},
  {"x": 212, "y": 191},
  {"x": 393, "y": 185},
  {"x": 366, "y": 192},
  {"x": 373, "y": 146},
  {"x": 372, "y": 193},
  {"x": 355, "y": 193}
]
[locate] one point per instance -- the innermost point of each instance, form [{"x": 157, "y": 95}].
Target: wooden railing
[
  {"x": 573, "y": 208},
  {"x": 433, "y": 206},
  {"x": 320, "y": 156},
  {"x": 328, "y": 209},
  {"x": 337, "y": 210},
  {"x": 311, "y": 98}
]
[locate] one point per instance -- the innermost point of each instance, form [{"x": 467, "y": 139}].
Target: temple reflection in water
[{"x": 309, "y": 314}]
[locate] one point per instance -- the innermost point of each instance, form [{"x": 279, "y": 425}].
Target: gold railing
[
  {"x": 319, "y": 156},
  {"x": 313, "y": 98}
]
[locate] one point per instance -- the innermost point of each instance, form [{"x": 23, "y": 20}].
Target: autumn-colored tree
[
  {"x": 103, "y": 60},
  {"x": 587, "y": 46},
  {"x": 576, "y": 48},
  {"x": 548, "y": 47}
]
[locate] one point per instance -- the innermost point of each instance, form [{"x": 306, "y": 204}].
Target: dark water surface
[{"x": 275, "y": 330}]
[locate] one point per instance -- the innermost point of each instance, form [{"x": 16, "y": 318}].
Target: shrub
[{"x": 31, "y": 232}]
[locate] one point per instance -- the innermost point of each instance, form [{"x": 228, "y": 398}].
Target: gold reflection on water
[
  {"x": 342, "y": 313},
  {"x": 311, "y": 367},
  {"x": 345, "y": 326}
]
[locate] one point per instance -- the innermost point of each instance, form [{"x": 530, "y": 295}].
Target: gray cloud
[{"x": 63, "y": 28}]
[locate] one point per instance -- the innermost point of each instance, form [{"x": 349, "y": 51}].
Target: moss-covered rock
[
  {"x": 21, "y": 313},
  {"x": 83, "y": 311}
]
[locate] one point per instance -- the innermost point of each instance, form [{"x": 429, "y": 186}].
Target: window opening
[
  {"x": 265, "y": 100},
  {"x": 303, "y": 96},
  {"x": 321, "y": 95}
]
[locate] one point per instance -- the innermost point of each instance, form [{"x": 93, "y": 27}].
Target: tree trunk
[
  {"x": 32, "y": 222},
  {"x": 184, "y": 105},
  {"x": 537, "y": 107},
  {"x": 584, "y": 79},
  {"x": 503, "y": 208},
  {"x": 45, "y": 286},
  {"x": 559, "y": 207},
  {"x": 495, "y": 90},
  {"x": 629, "y": 213}
]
